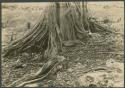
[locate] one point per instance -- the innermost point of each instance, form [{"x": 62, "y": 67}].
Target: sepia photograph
[{"x": 63, "y": 44}]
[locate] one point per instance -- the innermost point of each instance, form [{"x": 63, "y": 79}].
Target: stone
[
  {"x": 70, "y": 70},
  {"x": 114, "y": 78},
  {"x": 91, "y": 78}
]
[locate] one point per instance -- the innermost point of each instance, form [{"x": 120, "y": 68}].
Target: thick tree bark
[{"x": 52, "y": 29}]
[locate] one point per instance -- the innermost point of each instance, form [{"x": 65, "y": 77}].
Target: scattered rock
[
  {"x": 116, "y": 66},
  {"x": 114, "y": 78},
  {"x": 91, "y": 78},
  {"x": 70, "y": 70}
]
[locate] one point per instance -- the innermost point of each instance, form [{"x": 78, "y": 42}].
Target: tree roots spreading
[{"x": 49, "y": 34}]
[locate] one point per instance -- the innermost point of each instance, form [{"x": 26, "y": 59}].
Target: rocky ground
[{"x": 101, "y": 50}]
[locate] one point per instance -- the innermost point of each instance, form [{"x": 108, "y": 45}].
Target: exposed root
[
  {"x": 44, "y": 72},
  {"x": 97, "y": 69}
]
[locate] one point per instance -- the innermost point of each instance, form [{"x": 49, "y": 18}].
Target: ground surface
[{"x": 95, "y": 51}]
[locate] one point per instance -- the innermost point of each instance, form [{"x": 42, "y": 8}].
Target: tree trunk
[{"x": 53, "y": 30}]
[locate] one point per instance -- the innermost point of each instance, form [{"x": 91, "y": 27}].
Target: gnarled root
[{"x": 45, "y": 71}]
